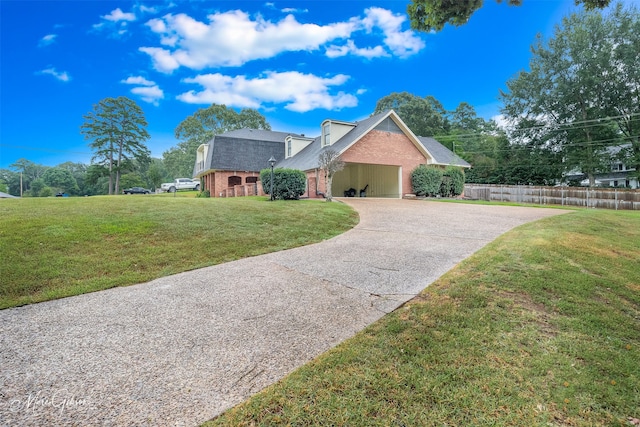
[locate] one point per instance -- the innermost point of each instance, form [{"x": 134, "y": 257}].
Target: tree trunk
[{"x": 328, "y": 182}]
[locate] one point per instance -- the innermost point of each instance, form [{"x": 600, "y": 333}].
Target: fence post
[{"x": 615, "y": 192}]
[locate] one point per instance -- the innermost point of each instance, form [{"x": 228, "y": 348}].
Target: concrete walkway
[{"x": 180, "y": 350}]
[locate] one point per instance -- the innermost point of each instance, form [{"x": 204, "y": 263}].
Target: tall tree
[
  {"x": 424, "y": 116},
  {"x": 29, "y": 170},
  {"x": 117, "y": 129},
  {"x": 622, "y": 93},
  {"x": 61, "y": 180},
  {"x": 565, "y": 103},
  {"x": 433, "y": 15},
  {"x": 200, "y": 128}
]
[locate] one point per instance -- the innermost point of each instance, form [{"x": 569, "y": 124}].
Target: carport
[{"x": 382, "y": 180}]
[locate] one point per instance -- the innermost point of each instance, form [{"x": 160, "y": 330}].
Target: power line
[{"x": 579, "y": 122}]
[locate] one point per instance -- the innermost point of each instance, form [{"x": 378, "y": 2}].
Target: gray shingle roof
[
  {"x": 441, "y": 154},
  {"x": 307, "y": 158},
  {"x": 245, "y": 149}
]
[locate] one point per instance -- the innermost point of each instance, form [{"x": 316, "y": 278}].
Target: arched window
[{"x": 234, "y": 180}]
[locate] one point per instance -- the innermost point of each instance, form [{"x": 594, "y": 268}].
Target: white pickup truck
[{"x": 181, "y": 184}]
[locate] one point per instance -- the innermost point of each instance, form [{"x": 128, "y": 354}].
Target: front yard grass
[
  {"x": 57, "y": 247},
  {"x": 540, "y": 328}
]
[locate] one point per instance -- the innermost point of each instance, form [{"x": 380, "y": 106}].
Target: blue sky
[{"x": 297, "y": 62}]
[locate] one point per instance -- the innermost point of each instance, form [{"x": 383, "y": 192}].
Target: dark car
[{"x": 136, "y": 190}]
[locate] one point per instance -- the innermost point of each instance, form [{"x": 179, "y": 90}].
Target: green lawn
[
  {"x": 540, "y": 328},
  {"x": 56, "y": 247}
]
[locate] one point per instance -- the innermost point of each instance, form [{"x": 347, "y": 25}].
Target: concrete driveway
[{"x": 180, "y": 350}]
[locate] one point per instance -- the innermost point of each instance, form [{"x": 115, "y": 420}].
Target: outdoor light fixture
[{"x": 272, "y": 163}]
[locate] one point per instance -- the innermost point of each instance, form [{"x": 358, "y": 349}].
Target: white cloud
[
  {"x": 233, "y": 38},
  {"x": 150, "y": 94},
  {"x": 299, "y": 92},
  {"x": 62, "y": 76},
  {"x": 116, "y": 22},
  {"x": 147, "y": 90},
  {"x": 47, "y": 40},
  {"x": 147, "y": 9},
  {"x": 117, "y": 15},
  {"x": 351, "y": 49},
  {"x": 294, "y": 10},
  {"x": 137, "y": 80},
  {"x": 401, "y": 43}
]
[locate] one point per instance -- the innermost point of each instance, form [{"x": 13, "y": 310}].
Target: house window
[
  {"x": 326, "y": 134},
  {"x": 234, "y": 180},
  {"x": 288, "y": 148},
  {"x": 251, "y": 179}
]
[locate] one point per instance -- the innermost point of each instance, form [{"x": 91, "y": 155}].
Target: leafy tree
[
  {"x": 564, "y": 103},
  {"x": 61, "y": 179},
  {"x": 97, "y": 180},
  {"x": 36, "y": 187},
  {"x": 12, "y": 181},
  {"x": 30, "y": 172},
  {"x": 432, "y": 15},
  {"x": 79, "y": 172},
  {"x": 622, "y": 81},
  {"x": 424, "y": 116},
  {"x": 3, "y": 187},
  {"x": 200, "y": 128},
  {"x": 330, "y": 162},
  {"x": 129, "y": 180},
  {"x": 117, "y": 127},
  {"x": 46, "y": 192},
  {"x": 156, "y": 174}
]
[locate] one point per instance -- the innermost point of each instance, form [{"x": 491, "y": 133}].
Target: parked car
[
  {"x": 181, "y": 184},
  {"x": 136, "y": 190}
]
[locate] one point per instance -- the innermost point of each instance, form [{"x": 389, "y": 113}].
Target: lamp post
[{"x": 272, "y": 163}]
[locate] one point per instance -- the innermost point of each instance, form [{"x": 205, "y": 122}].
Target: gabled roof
[
  {"x": 307, "y": 158},
  {"x": 441, "y": 154}
]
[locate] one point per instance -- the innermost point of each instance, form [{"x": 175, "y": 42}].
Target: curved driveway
[{"x": 179, "y": 350}]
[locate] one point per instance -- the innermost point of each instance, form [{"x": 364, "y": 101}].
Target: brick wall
[
  {"x": 386, "y": 148},
  {"x": 218, "y": 184}
]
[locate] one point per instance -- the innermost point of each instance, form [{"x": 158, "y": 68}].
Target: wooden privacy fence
[{"x": 601, "y": 198}]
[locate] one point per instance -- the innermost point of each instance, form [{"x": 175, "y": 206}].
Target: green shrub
[
  {"x": 426, "y": 180},
  {"x": 46, "y": 192},
  {"x": 288, "y": 184},
  {"x": 454, "y": 185},
  {"x": 445, "y": 186},
  {"x": 204, "y": 194}
]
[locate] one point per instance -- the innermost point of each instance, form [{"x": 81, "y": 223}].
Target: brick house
[{"x": 379, "y": 154}]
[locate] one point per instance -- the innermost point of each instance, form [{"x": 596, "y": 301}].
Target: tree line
[{"x": 576, "y": 110}]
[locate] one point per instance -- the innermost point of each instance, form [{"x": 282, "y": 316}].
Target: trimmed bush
[
  {"x": 452, "y": 182},
  {"x": 457, "y": 179},
  {"x": 426, "y": 180},
  {"x": 288, "y": 184}
]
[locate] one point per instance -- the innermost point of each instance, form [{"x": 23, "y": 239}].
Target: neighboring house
[
  {"x": 620, "y": 174},
  {"x": 379, "y": 154}
]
